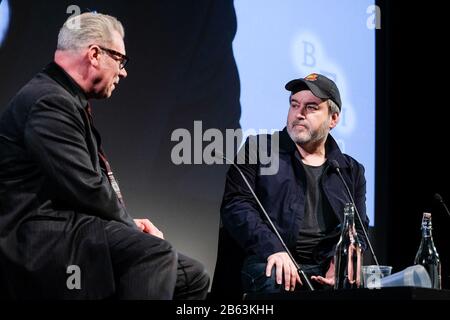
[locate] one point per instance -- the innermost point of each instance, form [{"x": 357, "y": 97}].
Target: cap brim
[{"x": 299, "y": 84}]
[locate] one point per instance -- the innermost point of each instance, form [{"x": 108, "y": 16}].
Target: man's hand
[
  {"x": 329, "y": 276},
  {"x": 284, "y": 268},
  {"x": 146, "y": 226}
]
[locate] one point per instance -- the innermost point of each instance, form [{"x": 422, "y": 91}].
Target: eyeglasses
[{"x": 121, "y": 58}]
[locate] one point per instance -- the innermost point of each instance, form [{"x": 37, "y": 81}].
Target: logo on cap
[{"x": 312, "y": 77}]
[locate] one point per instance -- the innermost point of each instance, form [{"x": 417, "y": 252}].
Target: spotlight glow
[{"x": 4, "y": 19}]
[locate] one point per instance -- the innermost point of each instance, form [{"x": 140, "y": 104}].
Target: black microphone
[
  {"x": 299, "y": 270},
  {"x": 335, "y": 165},
  {"x": 438, "y": 197}
]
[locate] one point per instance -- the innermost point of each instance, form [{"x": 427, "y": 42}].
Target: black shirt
[{"x": 319, "y": 219}]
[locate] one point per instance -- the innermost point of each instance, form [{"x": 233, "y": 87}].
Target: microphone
[
  {"x": 335, "y": 165},
  {"x": 302, "y": 274},
  {"x": 438, "y": 197}
]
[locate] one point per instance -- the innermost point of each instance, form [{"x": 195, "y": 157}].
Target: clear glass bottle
[
  {"x": 427, "y": 254},
  {"x": 348, "y": 255}
]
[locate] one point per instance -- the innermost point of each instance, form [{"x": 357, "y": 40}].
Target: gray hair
[
  {"x": 86, "y": 29},
  {"x": 332, "y": 107}
]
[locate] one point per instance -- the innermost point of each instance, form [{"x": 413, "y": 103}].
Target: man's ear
[
  {"x": 334, "y": 120},
  {"x": 93, "y": 55}
]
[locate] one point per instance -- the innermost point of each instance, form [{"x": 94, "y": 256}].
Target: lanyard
[{"x": 103, "y": 161}]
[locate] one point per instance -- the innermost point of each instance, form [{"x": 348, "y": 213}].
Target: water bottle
[
  {"x": 348, "y": 254},
  {"x": 427, "y": 255}
]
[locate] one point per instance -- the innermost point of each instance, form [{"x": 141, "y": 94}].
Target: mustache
[{"x": 297, "y": 122}]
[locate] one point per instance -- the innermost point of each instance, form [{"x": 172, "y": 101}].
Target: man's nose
[
  {"x": 300, "y": 113},
  {"x": 123, "y": 73}
]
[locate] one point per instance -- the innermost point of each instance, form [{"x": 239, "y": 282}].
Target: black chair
[{"x": 227, "y": 275}]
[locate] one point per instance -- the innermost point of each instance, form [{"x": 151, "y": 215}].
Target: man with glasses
[{"x": 64, "y": 229}]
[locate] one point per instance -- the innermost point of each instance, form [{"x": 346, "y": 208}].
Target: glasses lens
[
  {"x": 124, "y": 62},
  {"x": 121, "y": 58}
]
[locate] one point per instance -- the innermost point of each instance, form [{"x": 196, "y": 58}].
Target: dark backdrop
[{"x": 412, "y": 131}]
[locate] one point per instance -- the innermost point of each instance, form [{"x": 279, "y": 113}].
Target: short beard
[{"x": 312, "y": 137}]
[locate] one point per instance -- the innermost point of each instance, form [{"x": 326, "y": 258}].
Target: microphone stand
[{"x": 438, "y": 197}]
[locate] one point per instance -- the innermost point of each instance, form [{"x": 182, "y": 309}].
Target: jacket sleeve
[
  {"x": 240, "y": 213},
  {"x": 54, "y": 135}
]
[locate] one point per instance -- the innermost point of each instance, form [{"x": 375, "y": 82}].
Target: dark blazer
[
  {"x": 245, "y": 231},
  {"x": 54, "y": 196}
]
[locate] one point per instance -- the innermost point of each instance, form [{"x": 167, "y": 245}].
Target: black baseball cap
[{"x": 320, "y": 86}]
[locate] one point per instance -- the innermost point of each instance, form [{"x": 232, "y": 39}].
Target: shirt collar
[{"x": 54, "y": 71}]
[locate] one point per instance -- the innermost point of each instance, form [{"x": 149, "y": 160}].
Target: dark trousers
[
  {"x": 254, "y": 279},
  {"x": 147, "y": 267}
]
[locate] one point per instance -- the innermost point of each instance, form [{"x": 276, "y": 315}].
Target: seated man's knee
[
  {"x": 193, "y": 280},
  {"x": 201, "y": 277},
  {"x": 163, "y": 250}
]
